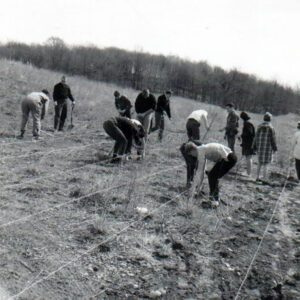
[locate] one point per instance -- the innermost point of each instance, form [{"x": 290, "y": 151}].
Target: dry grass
[{"x": 70, "y": 223}]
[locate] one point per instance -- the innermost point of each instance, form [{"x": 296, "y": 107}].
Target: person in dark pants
[
  {"x": 126, "y": 132},
  {"x": 296, "y": 150},
  {"x": 145, "y": 105},
  {"x": 232, "y": 125},
  {"x": 123, "y": 105},
  {"x": 163, "y": 106},
  {"x": 194, "y": 122},
  {"x": 191, "y": 163},
  {"x": 247, "y": 136},
  {"x": 224, "y": 159},
  {"x": 61, "y": 93}
]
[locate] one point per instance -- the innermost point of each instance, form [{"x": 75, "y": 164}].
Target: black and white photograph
[{"x": 150, "y": 149}]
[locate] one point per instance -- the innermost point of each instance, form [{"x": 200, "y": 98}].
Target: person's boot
[{"x": 21, "y": 134}]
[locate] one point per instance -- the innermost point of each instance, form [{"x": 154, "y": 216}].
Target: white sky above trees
[{"x": 260, "y": 37}]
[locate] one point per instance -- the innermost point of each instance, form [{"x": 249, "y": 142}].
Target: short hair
[
  {"x": 267, "y": 117},
  {"x": 187, "y": 147},
  {"x": 45, "y": 91},
  {"x": 168, "y": 92},
  {"x": 244, "y": 116},
  {"x": 116, "y": 93},
  {"x": 230, "y": 105}
]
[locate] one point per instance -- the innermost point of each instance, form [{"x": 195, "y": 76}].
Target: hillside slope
[{"x": 73, "y": 226}]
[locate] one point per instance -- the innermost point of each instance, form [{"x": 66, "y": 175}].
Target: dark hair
[
  {"x": 45, "y": 91},
  {"x": 116, "y": 93},
  {"x": 244, "y": 116},
  {"x": 229, "y": 105},
  {"x": 267, "y": 117},
  {"x": 168, "y": 92}
]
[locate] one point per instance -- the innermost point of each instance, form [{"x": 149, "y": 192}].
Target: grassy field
[{"x": 73, "y": 226}]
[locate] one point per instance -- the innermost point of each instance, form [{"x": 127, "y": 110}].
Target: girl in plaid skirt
[{"x": 264, "y": 144}]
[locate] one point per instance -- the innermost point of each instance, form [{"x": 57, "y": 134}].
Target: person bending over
[
  {"x": 126, "y": 132},
  {"x": 224, "y": 159},
  {"x": 194, "y": 122},
  {"x": 37, "y": 104}
]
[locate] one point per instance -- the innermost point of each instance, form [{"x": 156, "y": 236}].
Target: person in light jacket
[
  {"x": 37, "y": 104},
  {"x": 296, "y": 150}
]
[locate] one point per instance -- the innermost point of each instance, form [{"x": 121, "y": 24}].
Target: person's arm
[
  {"x": 167, "y": 110},
  {"x": 45, "y": 103},
  {"x": 71, "y": 96},
  {"x": 198, "y": 180},
  {"x": 273, "y": 140},
  {"x": 205, "y": 122}
]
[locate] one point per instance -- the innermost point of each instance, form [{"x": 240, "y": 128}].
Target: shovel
[{"x": 71, "y": 125}]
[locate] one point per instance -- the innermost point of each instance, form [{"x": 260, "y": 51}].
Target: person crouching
[
  {"x": 224, "y": 159},
  {"x": 126, "y": 132}
]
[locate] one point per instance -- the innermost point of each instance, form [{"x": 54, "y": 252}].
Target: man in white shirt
[
  {"x": 296, "y": 149},
  {"x": 223, "y": 157},
  {"x": 37, "y": 103},
  {"x": 194, "y": 122}
]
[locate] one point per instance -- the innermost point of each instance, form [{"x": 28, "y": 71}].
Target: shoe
[
  {"x": 206, "y": 204},
  {"x": 245, "y": 174},
  {"x": 115, "y": 160},
  {"x": 214, "y": 204}
]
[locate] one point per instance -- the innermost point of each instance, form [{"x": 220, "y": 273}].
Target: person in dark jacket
[
  {"x": 126, "y": 132},
  {"x": 232, "y": 124},
  {"x": 247, "y": 137},
  {"x": 145, "y": 105},
  {"x": 61, "y": 93},
  {"x": 163, "y": 106},
  {"x": 123, "y": 105}
]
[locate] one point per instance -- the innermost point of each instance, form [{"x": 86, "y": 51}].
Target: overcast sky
[{"x": 260, "y": 37}]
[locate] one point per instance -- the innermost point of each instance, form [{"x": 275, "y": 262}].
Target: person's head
[
  {"x": 63, "y": 79},
  {"x": 244, "y": 116},
  {"x": 298, "y": 125},
  {"x": 229, "y": 107},
  {"x": 145, "y": 93},
  {"x": 45, "y": 91},
  {"x": 267, "y": 117},
  {"x": 117, "y": 94},
  {"x": 189, "y": 148},
  {"x": 168, "y": 94}
]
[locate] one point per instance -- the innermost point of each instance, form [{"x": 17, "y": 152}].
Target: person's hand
[
  {"x": 55, "y": 103},
  {"x": 73, "y": 104}
]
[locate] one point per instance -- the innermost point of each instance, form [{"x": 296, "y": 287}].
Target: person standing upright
[
  {"x": 145, "y": 105},
  {"x": 296, "y": 149},
  {"x": 37, "y": 103},
  {"x": 194, "y": 122},
  {"x": 163, "y": 106},
  {"x": 265, "y": 144},
  {"x": 61, "y": 93},
  {"x": 123, "y": 105},
  {"x": 247, "y": 136},
  {"x": 232, "y": 125}
]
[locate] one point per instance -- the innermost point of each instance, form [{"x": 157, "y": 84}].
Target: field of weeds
[{"x": 73, "y": 226}]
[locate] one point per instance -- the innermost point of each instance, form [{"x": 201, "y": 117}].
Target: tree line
[{"x": 196, "y": 80}]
